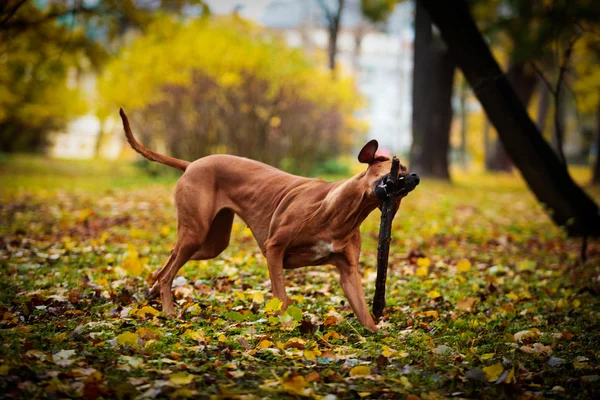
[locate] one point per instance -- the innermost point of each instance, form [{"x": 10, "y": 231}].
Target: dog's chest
[{"x": 322, "y": 249}]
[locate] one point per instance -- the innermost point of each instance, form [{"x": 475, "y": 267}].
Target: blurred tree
[
  {"x": 587, "y": 88},
  {"x": 569, "y": 206},
  {"x": 533, "y": 31},
  {"x": 226, "y": 85},
  {"x": 433, "y": 76},
  {"x": 333, "y": 15},
  {"x": 46, "y": 45}
]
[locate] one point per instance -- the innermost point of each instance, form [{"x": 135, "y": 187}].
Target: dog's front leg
[
  {"x": 275, "y": 264},
  {"x": 352, "y": 286}
]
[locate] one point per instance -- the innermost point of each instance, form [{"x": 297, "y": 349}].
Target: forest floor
[{"x": 485, "y": 299}]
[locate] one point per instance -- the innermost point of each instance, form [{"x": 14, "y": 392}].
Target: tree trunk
[
  {"x": 463, "y": 124},
  {"x": 559, "y": 125},
  {"x": 596, "y": 174},
  {"x": 433, "y": 76},
  {"x": 486, "y": 144},
  {"x": 524, "y": 83},
  {"x": 567, "y": 203},
  {"x": 543, "y": 107},
  {"x": 332, "y": 46}
]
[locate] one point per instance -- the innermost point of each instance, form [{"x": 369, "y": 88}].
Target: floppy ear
[
  {"x": 367, "y": 154},
  {"x": 370, "y": 153}
]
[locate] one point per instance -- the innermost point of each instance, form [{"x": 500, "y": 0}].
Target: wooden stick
[{"x": 385, "y": 232}]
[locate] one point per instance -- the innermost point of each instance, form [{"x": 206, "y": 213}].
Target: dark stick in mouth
[{"x": 385, "y": 232}]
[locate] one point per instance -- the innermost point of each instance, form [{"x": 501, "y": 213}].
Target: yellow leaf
[
  {"x": 403, "y": 354},
  {"x": 360, "y": 370},
  {"x": 294, "y": 385},
  {"x": 265, "y": 344},
  {"x": 274, "y": 305},
  {"x": 487, "y": 356},
  {"x": 131, "y": 264},
  {"x": 165, "y": 230},
  {"x": 387, "y": 352},
  {"x": 222, "y": 338},
  {"x": 510, "y": 378},
  {"x": 258, "y": 298},
  {"x": 434, "y": 294},
  {"x": 181, "y": 378},
  {"x": 128, "y": 339},
  {"x": 423, "y": 262},
  {"x": 312, "y": 354},
  {"x": 147, "y": 310},
  {"x": 421, "y": 271},
  {"x": 240, "y": 295},
  {"x": 196, "y": 335},
  {"x": 493, "y": 372},
  {"x": 363, "y": 394},
  {"x": 512, "y": 296},
  {"x": 463, "y": 265},
  {"x": 332, "y": 334},
  {"x": 431, "y": 313}
]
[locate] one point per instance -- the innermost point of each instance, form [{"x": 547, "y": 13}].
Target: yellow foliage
[
  {"x": 493, "y": 372},
  {"x": 360, "y": 370},
  {"x": 224, "y": 48},
  {"x": 132, "y": 263},
  {"x": 128, "y": 339}
]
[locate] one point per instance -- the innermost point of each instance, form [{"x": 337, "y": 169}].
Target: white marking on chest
[{"x": 322, "y": 249}]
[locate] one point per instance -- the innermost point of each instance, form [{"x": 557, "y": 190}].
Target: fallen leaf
[
  {"x": 147, "y": 310},
  {"x": 537, "y": 348},
  {"x": 128, "y": 339},
  {"x": 258, "y": 298},
  {"x": 467, "y": 303},
  {"x": 64, "y": 357},
  {"x": 463, "y": 265},
  {"x": 295, "y": 385},
  {"x": 274, "y": 305},
  {"x": 360, "y": 370},
  {"x": 434, "y": 294},
  {"x": 181, "y": 378},
  {"x": 492, "y": 372},
  {"x": 131, "y": 264}
]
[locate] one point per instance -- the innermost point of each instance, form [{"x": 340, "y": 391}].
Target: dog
[{"x": 296, "y": 221}]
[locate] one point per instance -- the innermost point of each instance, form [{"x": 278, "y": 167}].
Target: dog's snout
[{"x": 415, "y": 178}]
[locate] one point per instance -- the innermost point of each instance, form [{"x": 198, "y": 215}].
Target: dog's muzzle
[{"x": 406, "y": 184}]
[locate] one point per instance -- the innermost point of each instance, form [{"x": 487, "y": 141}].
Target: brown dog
[{"x": 296, "y": 221}]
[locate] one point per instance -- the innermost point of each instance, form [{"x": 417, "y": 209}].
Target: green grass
[{"x": 471, "y": 265}]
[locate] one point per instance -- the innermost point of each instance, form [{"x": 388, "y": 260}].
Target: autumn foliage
[{"x": 224, "y": 85}]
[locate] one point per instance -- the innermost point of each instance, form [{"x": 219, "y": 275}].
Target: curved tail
[{"x": 147, "y": 153}]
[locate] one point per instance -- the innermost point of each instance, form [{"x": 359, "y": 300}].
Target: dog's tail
[{"x": 147, "y": 153}]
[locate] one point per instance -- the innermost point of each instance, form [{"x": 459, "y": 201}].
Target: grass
[{"x": 485, "y": 298}]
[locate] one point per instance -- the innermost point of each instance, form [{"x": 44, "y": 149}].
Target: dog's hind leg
[
  {"x": 185, "y": 247},
  {"x": 218, "y": 236},
  {"x": 192, "y": 246}
]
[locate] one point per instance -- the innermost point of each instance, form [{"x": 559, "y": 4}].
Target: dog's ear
[
  {"x": 367, "y": 153},
  {"x": 370, "y": 153}
]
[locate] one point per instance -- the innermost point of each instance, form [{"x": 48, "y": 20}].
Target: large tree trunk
[
  {"x": 433, "y": 76},
  {"x": 524, "y": 83},
  {"x": 547, "y": 177},
  {"x": 596, "y": 172}
]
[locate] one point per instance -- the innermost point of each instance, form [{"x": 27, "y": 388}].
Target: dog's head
[{"x": 380, "y": 163}]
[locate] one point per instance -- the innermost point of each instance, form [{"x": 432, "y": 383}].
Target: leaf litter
[{"x": 479, "y": 305}]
